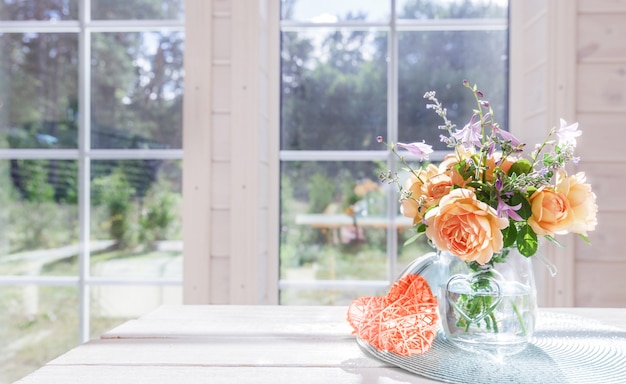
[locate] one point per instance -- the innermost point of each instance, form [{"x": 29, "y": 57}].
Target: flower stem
[
  {"x": 519, "y": 316},
  {"x": 495, "y": 323}
]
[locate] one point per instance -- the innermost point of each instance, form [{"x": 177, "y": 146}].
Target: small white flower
[{"x": 568, "y": 133}]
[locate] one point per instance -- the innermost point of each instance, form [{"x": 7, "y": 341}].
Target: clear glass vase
[{"x": 488, "y": 309}]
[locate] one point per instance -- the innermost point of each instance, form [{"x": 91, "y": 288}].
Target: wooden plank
[
  {"x": 606, "y": 241},
  {"x": 600, "y": 284},
  {"x": 601, "y": 87},
  {"x": 219, "y": 320},
  {"x": 530, "y": 9},
  {"x": 601, "y": 37},
  {"x": 603, "y": 137},
  {"x": 350, "y": 372},
  {"x": 197, "y": 143},
  {"x": 228, "y": 351},
  {"x": 606, "y": 180},
  {"x": 224, "y": 327},
  {"x": 312, "y": 314},
  {"x": 535, "y": 93},
  {"x": 601, "y": 6}
]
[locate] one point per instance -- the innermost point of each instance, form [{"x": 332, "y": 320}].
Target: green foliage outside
[{"x": 115, "y": 192}]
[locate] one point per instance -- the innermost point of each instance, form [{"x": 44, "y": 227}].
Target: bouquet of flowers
[{"x": 485, "y": 197}]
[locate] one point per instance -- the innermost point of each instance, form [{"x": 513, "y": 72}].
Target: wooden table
[{"x": 237, "y": 344}]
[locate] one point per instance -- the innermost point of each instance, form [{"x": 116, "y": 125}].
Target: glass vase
[{"x": 488, "y": 309}]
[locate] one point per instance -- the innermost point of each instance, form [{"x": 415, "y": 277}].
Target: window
[
  {"x": 352, "y": 71},
  {"x": 90, "y": 154}
]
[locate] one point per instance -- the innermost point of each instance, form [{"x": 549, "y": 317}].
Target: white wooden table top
[{"x": 238, "y": 344}]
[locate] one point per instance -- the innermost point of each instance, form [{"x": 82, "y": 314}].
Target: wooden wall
[
  {"x": 601, "y": 110},
  {"x": 230, "y": 175},
  {"x": 568, "y": 59}
]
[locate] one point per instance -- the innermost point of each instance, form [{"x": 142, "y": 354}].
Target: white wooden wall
[
  {"x": 601, "y": 110},
  {"x": 230, "y": 183},
  {"x": 568, "y": 59}
]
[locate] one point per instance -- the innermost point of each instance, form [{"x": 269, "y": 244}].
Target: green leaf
[
  {"x": 413, "y": 238},
  {"x": 520, "y": 167},
  {"x": 527, "y": 243},
  {"x": 554, "y": 241},
  {"x": 463, "y": 170},
  {"x": 525, "y": 210},
  {"x": 585, "y": 238},
  {"x": 547, "y": 160},
  {"x": 510, "y": 235}
]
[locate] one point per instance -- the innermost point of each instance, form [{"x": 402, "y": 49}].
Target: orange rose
[
  {"x": 450, "y": 161},
  {"x": 435, "y": 188},
  {"x": 504, "y": 165},
  {"x": 551, "y": 212},
  {"x": 415, "y": 206},
  {"x": 465, "y": 226},
  {"x": 582, "y": 202}
]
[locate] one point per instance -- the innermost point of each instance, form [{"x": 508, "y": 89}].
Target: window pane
[
  {"x": 38, "y": 324},
  {"x": 137, "y": 90},
  {"x": 329, "y": 11},
  {"x": 39, "y": 217},
  {"x": 137, "y": 9},
  {"x": 451, "y": 9},
  {"x": 136, "y": 207},
  {"x": 440, "y": 61},
  {"x": 334, "y": 89},
  {"x": 39, "y": 98},
  {"x": 38, "y": 10},
  {"x": 114, "y": 305},
  {"x": 334, "y": 223}
]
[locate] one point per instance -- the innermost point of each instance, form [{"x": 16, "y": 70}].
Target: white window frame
[
  {"x": 392, "y": 28},
  {"x": 84, "y": 154}
]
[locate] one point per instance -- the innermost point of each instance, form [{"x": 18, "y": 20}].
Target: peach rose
[
  {"x": 425, "y": 192},
  {"x": 551, "y": 212},
  {"x": 413, "y": 206},
  {"x": 582, "y": 202},
  {"x": 496, "y": 161},
  {"x": 465, "y": 226},
  {"x": 451, "y": 160}
]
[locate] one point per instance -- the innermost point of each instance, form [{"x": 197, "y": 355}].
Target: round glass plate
[{"x": 565, "y": 349}]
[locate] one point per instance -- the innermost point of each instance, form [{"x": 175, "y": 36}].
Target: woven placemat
[{"x": 565, "y": 349}]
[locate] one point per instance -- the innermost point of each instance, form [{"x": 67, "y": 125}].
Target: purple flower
[
  {"x": 499, "y": 182},
  {"x": 507, "y": 136},
  {"x": 421, "y": 150},
  {"x": 505, "y": 210},
  {"x": 568, "y": 133},
  {"x": 470, "y": 134}
]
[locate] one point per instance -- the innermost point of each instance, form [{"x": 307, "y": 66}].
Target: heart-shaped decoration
[
  {"x": 403, "y": 322},
  {"x": 482, "y": 289}
]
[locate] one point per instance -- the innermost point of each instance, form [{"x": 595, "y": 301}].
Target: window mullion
[
  {"x": 84, "y": 143},
  {"x": 392, "y": 135}
]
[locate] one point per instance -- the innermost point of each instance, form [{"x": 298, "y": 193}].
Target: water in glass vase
[{"x": 487, "y": 315}]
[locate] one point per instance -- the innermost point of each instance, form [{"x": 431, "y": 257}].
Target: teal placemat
[{"x": 565, "y": 349}]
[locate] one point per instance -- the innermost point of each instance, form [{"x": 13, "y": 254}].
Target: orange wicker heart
[{"x": 403, "y": 322}]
